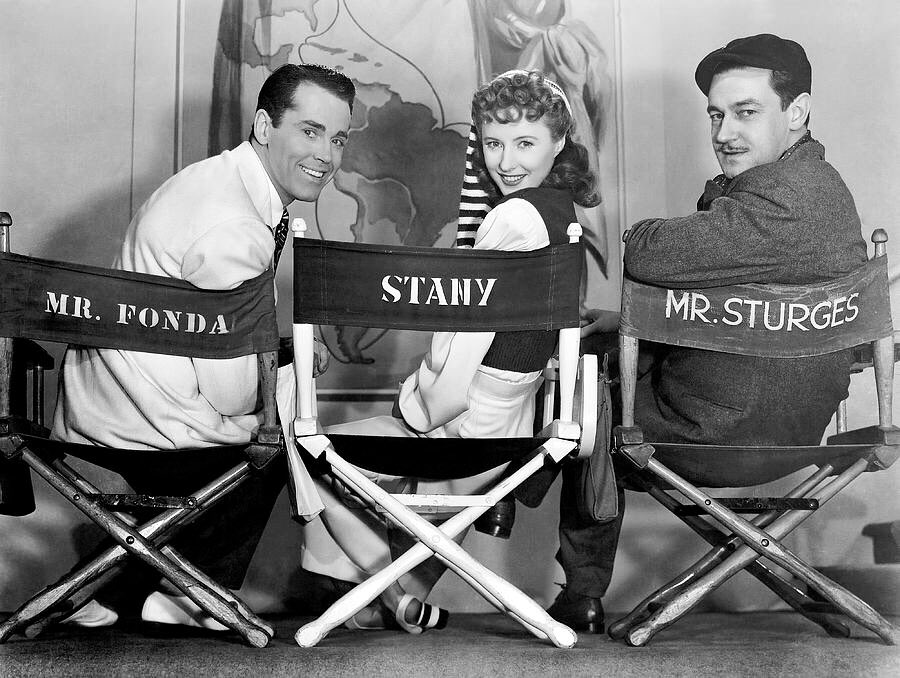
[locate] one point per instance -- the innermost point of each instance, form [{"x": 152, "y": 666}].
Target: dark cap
[{"x": 760, "y": 51}]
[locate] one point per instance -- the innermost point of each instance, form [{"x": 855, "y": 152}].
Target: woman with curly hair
[{"x": 471, "y": 384}]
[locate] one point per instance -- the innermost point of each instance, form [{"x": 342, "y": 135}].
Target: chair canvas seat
[
  {"x": 432, "y": 458},
  {"x": 736, "y": 466},
  {"x": 123, "y": 460}
]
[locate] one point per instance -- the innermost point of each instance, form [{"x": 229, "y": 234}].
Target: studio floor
[{"x": 702, "y": 644}]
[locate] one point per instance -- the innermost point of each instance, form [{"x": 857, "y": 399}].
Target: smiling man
[
  {"x": 778, "y": 213},
  {"x": 215, "y": 224}
]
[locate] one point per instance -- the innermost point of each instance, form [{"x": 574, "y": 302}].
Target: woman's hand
[
  {"x": 321, "y": 356},
  {"x": 596, "y": 320}
]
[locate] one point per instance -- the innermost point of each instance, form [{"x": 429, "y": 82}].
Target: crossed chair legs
[
  {"x": 143, "y": 542},
  {"x": 739, "y": 543},
  {"x": 438, "y": 541}
]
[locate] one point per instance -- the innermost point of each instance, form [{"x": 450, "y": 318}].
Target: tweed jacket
[{"x": 792, "y": 221}]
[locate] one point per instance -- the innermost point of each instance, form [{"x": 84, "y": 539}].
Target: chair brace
[
  {"x": 757, "y": 542},
  {"x": 434, "y": 540}
]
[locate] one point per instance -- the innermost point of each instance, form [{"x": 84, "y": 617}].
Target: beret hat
[{"x": 759, "y": 51}]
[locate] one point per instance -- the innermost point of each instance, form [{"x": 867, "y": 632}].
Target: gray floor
[{"x": 704, "y": 644}]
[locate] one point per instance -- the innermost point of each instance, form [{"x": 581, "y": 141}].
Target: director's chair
[
  {"x": 837, "y": 315},
  {"x": 342, "y": 283},
  {"x": 43, "y": 300}
]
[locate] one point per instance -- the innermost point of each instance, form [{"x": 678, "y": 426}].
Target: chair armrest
[
  {"x": 863, "y": 358},
  {"x": 267, "y": 366},
  {"x": 30, "y": 354},
  {"x": 566, "y": 430},
  {"x": 871, "y": 435}
]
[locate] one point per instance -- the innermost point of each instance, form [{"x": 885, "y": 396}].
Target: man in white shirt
[{"x": 215, "y": 224}]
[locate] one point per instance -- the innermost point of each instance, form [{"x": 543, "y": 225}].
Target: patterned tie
[{"x": 280, "y": 235}]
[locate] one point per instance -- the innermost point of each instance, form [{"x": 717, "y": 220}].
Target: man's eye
[
  {"x": 715, "y": 117},
  {"x": 340, "y": 143},
  {"x": 746, "y": 112},
  {"x": 311, "y": 133}
]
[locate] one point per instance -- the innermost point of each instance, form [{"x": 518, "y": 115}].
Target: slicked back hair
[{"x": 277, "y": 93}]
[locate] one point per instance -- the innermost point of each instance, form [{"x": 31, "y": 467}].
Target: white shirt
[{"x": 210, "y": 224}]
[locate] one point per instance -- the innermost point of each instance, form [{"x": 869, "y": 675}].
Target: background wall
[{"x": 95, "y": 103}]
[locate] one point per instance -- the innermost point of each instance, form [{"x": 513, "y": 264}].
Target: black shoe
[
  {"x": 498, "y": 520},
  {"x": 580, "y": 613},
  {"x": 532, "y": 492},
  {"x": 315, "y": 592}
]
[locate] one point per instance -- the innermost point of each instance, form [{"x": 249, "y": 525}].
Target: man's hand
[{"x": 596, "y": 320}]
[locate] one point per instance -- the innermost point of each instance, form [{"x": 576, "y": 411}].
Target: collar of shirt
[
  {"x": 716, "y": 187},
  {"x": 802, "y": 140},
  {"x": 259, "y": 186}
]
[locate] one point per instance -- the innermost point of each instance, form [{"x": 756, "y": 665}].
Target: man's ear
[
  {"x": 799, "y": 111},
  {"x": 262, "y": 126}
]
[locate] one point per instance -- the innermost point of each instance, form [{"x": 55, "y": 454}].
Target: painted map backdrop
[{"x": 415, "y": 64}]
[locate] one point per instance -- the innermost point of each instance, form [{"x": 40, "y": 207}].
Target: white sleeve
[
  {"x": 228, "y": 254},
  {"x": 514, "y": 226},
  {"x": 437, "y": 392},
  {"x": 223, "y": 258}
]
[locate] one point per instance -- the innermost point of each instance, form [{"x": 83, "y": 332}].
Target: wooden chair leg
[
  {"x": 454, "y": 527},
  {"x": 785, "y": 590},
  {"x": 136, "y": 543},
  {"x": 34, "y": 627},
  {"x": 799, "y": 601},
  {"x": 220, "y": 590},
  {"x": 852, "y": 606},
  {"x": 436, "y": 540},
  {"x": 216, "y": 489},
  {"x": 87, "y": 578},
  {"x": 723, "y": 543},
  {"x": 208, "y": 495},
  {"x": 364, "y": 593},
  {"x": 32, "y": 615}
]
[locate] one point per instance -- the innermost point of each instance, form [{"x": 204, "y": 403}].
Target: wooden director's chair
[
  {"x": 861, "y": 304},
  {"x": 341, "y": 283},
  {"x": 60, "y": 302}
]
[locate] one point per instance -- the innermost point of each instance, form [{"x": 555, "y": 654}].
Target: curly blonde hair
[{"x": 530, "y": 95}]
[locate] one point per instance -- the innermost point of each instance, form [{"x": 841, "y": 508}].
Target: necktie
[{"x": 280, "y": 234}]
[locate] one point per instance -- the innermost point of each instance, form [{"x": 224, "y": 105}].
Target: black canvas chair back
[
  {"x": 87, "y": 306},
  {"x": 772, "y": 321},
  {"x": 437, "y": 289}
]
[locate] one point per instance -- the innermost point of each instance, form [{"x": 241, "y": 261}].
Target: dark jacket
[
  {"x": 529, "y": 350},
  {"x": 792, "y": 221}
]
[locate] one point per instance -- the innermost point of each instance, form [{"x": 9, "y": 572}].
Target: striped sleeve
[{"x": 474, "y": 202}]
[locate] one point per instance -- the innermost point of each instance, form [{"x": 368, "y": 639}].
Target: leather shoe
[
  {"x": 580, "y": 613},
  {"x": 498, "y": 520},
  {"x": 161, "y": 608},
  {"x": 92, "y": 615},
  {"x": 532, "y": 492}
]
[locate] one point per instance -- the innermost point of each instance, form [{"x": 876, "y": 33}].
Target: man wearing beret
[{"x": 778, "y": 213}]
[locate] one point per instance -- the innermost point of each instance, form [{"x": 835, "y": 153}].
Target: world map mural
[{"x": 415, "y": 65}]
